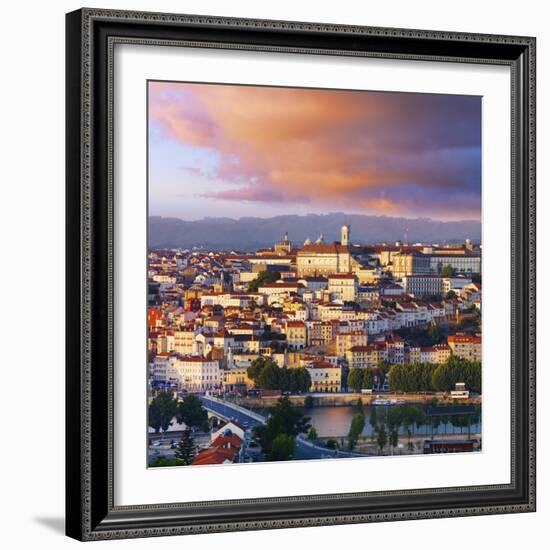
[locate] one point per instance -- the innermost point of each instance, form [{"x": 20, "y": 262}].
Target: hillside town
[{"x": 311, "y": 318}]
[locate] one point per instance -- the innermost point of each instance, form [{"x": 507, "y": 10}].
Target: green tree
[
  {"x": 282, "y": 447},
  {"x": 394, "y": 438},
  {"x": 254, "y": 370},
  {"x": 283, "y": 419},
  {"x": 312, "y": 434},
  {"x": 373, "y": 419},
  {"x": 299, "y": 380},
  {"x": 163, "y": 461},
  {"x": 186, "y": 449},
  {"x": 271, "y": 376},
  {"x": 161, "y": 411},
  {"x": 355, "y": 379},
  {"x": 454, "y": 370},
  {"x": 267, "y": 375},
  {"x": 356, "y": 429},
  {"x": 332, "y": 443},
  {"x": 382, "y": 438},
  {"x": 191, "y": 412},
  {"x": 368, "y": 379},
  {"x": 447, "y": 271},
  {"x": 263, "y": 278},
  {"x": 382, "y": 369}
]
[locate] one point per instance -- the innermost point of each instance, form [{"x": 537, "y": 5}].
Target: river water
[{"x": 335, "y": 422}]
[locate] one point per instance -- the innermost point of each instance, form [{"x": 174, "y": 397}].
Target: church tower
[{"x": 344, "y": 240}]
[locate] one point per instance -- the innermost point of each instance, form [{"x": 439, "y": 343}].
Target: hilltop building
[{"x": 323, "y": 259}]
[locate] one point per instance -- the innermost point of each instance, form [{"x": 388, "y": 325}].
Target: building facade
[{"x": 466, "y": 346}]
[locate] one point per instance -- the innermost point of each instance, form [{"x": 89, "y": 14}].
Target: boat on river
[{"x": 383, "y": 402}]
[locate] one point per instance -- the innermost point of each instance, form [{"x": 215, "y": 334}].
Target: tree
[
  {"x": 382, "y": 438},
  {"x": 332, "y": 443},
  {"x": 191, "y": 412},
  {"x": 255, "y": 368},
  {"x": 282, "y": 447},
  {"x": 454, "y": 370},
  {"x": 355, "y": 379},
  {"x": 394, "y": 438},
  {"x": 283, "y": 419},
  {"x": 163, "y": 461},
  {"x": 186, "y": 449},
  {"x": 356, "y": 429},
  {"x": 271, "y": 377},
  {"x": 447, "y": 271},
  {"x": 368, "y": 379},
  {"x": 263, "y": 278},
  {"x": 299, "y": 380},
  {"x": 308, "y": 402},
  {"x": 312, "y": 434},
  {"x": 373, "y": 419},
  {"x": 161, "y": 411},
  {"x": 382, "y": 369}
]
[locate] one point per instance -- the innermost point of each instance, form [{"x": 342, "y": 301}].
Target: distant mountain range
[{"x": 252, "y": 233}]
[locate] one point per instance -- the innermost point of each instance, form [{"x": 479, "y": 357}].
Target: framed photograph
[{"x": 300, "y": 274}]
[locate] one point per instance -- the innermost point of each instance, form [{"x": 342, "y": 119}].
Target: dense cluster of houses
[{"x": 207, "y": 320}]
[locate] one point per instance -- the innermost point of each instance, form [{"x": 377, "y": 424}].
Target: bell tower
[{"x": 345, "y": 233}]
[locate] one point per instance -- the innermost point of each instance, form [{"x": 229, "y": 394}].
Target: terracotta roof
[
  {"x": 282, "y": 285},
  {"x": 323, "y": 248},
  {"x": 342, "y": 276},
  {"x": 369, "y": 347},
  {"x": 295, "y": 324},
  {"x": 215, "y": 455},
  {"x": 461, "y": 338},
  {"x": 227, "y": 441}
]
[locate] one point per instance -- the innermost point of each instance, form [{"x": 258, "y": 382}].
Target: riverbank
[
  {"x": 405, "y": 446},
  {"x": 348, "y": 399}
]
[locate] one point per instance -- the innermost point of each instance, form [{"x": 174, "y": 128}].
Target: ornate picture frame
[{"x": 90, "y": 366}]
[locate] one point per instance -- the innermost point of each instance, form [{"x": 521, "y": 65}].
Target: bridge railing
[{"x": 238, "y": 408}]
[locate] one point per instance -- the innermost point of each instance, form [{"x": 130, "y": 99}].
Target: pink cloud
[{"x": 287, "y": 144}]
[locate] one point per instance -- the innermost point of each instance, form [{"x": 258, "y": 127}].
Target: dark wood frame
[{"x": 90, "y": 510}]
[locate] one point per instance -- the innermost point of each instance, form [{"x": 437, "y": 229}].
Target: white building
[
  {"x": 455, "y": 284},
  {"x": 422, "y": 285},
  {"x": 343, "y": 286},
  {"x": 197, "y": 373}
]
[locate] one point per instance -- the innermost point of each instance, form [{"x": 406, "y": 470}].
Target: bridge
[{"x": 305, "y": 450}]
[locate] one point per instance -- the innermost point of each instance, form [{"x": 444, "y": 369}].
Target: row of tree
[
  {"x": 267, "y": 375},
  {"x": 419, "y": 377},
  {"x": 164, "y": 408},
  {"x": 386, "y": 424},
  {"x": 360, "y": 378}
]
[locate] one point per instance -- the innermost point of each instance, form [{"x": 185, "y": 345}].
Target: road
[{"x": 305, "y": 450}]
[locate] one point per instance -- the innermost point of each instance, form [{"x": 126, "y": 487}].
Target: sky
[{"x": 235, "y": 151}]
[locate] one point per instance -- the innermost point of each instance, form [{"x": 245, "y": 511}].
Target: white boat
[{"x": 382, "y": 402}]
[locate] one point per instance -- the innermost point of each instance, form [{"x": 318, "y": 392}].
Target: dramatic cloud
[{"x": 377, "y": 152}]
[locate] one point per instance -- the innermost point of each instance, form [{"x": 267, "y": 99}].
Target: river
[{"x": 335, "y": 422}]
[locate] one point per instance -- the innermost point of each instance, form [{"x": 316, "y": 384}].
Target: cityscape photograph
[{"x": 314, "y": 274}]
